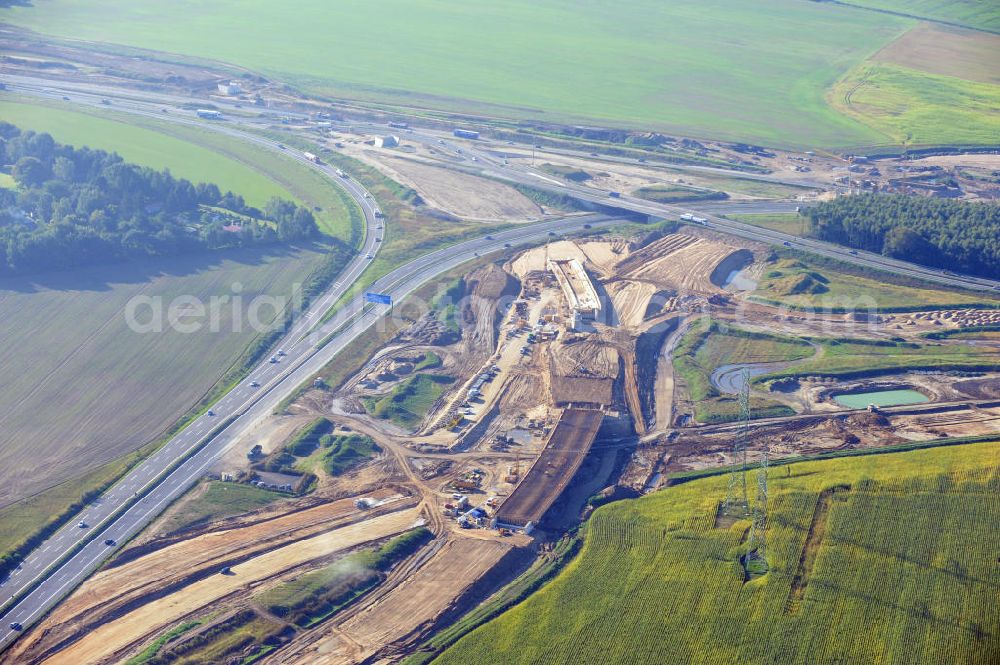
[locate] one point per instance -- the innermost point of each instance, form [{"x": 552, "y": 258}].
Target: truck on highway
[
  {"x": 398, "y": 125},
  {"x": 209, "y": 114},
  {"x": 341, "y": 173},
  {"x": 311, "y": 157},
  {"x": 615, "y": 195},
  {"x": 466, "y": 134},
  {"x": 688, "y": 217}
]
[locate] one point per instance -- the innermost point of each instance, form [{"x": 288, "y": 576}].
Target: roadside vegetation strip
[
  {"x": 882, "y": 587},
  {"x": 791, "y": 223},
  {"x": 966, "y": 332}
]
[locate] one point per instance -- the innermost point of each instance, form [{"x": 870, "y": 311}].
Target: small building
[
  {"x": 388, "y": 141},
  {"x": 230, "y": 88}
]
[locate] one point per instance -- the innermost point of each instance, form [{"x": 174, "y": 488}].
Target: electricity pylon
[{"x": 737, "y": 502}]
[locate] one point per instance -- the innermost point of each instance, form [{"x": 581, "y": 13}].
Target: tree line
[
  {"x": 77, "y": 206},
  {"x": 942, "y": 233}
]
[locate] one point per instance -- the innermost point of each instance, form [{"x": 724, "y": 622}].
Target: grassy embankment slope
[
  {"x": 670, "y": 66},
  {"x": 811, "y": 283},
  {"x": 708, "y": 345},
  {"x": 848, "y": 358},
  {"x": 408, "y": 403},
  {"x": 215, "y": 500},
  {"x": 884, "y": 558}
]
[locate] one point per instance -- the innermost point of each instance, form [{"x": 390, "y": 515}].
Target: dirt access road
[
  {"x": 115, "y": 636},
  {"x": 181, "y": 565}
]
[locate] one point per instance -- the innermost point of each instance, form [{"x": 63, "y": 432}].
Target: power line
[{"x": 737, "y": 501}]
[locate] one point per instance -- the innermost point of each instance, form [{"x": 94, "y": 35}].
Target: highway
[
  {"x": 65, "y": 559},
  {"x": 487, "y": 163}
]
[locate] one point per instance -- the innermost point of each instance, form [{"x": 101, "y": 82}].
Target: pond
[{"x": 881, "y": 398}]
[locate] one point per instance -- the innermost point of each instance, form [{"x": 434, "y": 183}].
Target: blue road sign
[{"x": 380, "y": 298}]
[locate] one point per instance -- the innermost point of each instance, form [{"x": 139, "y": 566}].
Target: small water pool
[{"x": 881, "y": 398}]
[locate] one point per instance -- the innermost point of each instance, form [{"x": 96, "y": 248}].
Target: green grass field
[
  {"x": 671, "y": 66},
  {"x": 753, "y": 188},
  {"x": 911, "y": 107},
  {"x": 81, "y": 388},
  {"x": 144, "y": 146},
  {"x": 970, "y": 13},
  {"x": 897, "y": 567},
  {"x": 199, "y": 155}
]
